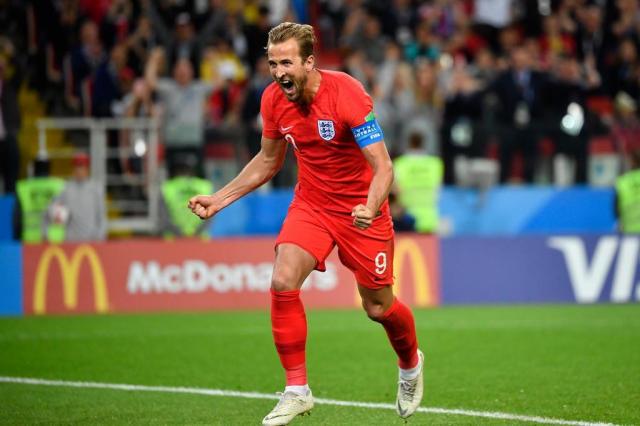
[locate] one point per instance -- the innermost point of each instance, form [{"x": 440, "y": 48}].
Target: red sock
[
  {"x": 289, "y": 326},
  {"x": 401, "y": 330}
]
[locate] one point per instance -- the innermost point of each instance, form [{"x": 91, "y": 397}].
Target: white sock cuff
[
  {"x": 299, "y": 389},
  {"x": 411, "y": 373}
]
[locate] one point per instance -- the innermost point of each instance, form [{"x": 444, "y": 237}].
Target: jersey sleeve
[
  {"x": 356, "y": 109},
  {"x": 269, "y": 126}
]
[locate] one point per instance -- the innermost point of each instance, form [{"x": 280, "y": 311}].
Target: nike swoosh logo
[
  {"x": 285, "y": 129},
  {"x": 402, "y": 412}
]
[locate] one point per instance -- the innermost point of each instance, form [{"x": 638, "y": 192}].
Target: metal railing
[{"x": 139, "y": 215}]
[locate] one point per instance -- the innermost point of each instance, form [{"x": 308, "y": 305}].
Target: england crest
[{"x": 326, "y": 129}]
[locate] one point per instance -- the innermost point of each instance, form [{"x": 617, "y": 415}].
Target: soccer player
[{"x": 345, "y": 174}]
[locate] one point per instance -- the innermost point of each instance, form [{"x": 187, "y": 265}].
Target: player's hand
[
  {"x": 362, "y": 216},
  {"x": 205, "y": 206}
]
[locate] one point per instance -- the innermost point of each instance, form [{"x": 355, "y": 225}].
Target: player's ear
[{"x": 309, "y": 63}]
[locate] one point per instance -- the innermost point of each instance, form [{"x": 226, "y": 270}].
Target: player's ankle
[
  {"x": 298, "y": 389},
  {"x": 410, "y": 373}
]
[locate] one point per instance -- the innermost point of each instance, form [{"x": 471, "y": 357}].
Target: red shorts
[{"x": 367, "y": 253}]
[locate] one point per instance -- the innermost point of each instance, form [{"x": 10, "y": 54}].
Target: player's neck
[{"x": 312, "y": 86}]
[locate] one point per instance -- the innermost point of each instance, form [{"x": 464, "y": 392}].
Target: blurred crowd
[{"x": 514, "y": 81}]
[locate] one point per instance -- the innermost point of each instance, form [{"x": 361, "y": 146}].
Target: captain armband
[{"x": 368, "y": 133}]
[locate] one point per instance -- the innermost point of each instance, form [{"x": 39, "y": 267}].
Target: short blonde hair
[{"x": 302, "y": 33}]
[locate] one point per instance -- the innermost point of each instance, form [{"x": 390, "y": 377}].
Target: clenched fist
[
  {"x": 362, "y": 216},
  {"x": 205, "y": 206}
]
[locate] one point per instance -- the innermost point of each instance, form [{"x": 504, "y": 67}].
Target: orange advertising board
[{"x": 150, "y": 275}]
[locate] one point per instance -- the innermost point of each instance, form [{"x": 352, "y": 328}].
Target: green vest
[
  {"x": 176, "y": 193},
  {"x": 35, "y": 195},
  {"x": 628, "y": 189},
  {"x": 418, "y": 178}
]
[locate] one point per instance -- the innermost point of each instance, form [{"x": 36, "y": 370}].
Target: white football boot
[
  {"x": 410, "y": 391},
  {"x": 290, "y": 405}
]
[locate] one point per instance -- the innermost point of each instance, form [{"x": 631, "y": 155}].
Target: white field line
[{"x": 258, "y": 395}]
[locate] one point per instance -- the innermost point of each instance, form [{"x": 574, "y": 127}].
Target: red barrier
[{"x": 131, "y": 276}]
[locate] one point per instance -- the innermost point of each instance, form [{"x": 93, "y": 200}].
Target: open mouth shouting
[{"x": 288, "y": 86}]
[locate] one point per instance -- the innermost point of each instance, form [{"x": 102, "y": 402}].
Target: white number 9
[{"x": 381, "y": 263}]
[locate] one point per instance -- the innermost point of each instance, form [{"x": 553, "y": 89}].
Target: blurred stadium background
[{"x": 527, "y": 108}]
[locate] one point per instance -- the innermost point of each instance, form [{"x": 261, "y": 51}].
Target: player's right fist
[{"x": 205, "y": 206}]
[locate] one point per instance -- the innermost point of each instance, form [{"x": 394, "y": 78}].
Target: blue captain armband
[{"x": 368, "y": 133}]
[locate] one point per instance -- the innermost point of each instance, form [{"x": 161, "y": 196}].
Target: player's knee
[
  {"x": 375, "y": 311},
  {"x": 282, "y": 281}
]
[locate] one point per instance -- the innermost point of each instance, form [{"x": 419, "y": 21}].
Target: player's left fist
[{"x": 362, "y": 216}]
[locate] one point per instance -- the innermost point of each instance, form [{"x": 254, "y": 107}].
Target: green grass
[{"x": 567, "y": 362}]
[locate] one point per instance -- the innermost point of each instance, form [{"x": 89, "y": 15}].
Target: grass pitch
[{"x": 575, "y": 363}]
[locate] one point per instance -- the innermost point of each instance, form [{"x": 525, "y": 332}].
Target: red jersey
[{"x": 333, "y": 173}]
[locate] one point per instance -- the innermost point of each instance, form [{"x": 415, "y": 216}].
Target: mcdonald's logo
[
  {"x": 408, "y": 252},
  {"x": 408, "y": 248},
  {"x": 69, "y": 270}
]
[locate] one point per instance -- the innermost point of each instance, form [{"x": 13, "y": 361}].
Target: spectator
[
  {"x": 386, "y": 71},
  {"x": 553, "y": 41},
  {"x": 628, "y": 20},
  {"x": 112, "y": 80},
  {"x": 625, "y": 127},
  {"x": 426, "y": 117},
  {"x": 624, "y": 72},
  {"x": 52, "y": 31},
  {"x": 220, "y": 64},
  {"x": 139, "y": 103},
  {"x": 490, "y": 17},
  {"x": 363, "y": 33},
  {"x": 34, "y": 198},
  {"x": 175, "y": 220},
  {"x": 250, "y": 113},
  {"x": 462, "y": 124},
  {"x": 140, "y": 44},
  {"x": 627, "y": 203},
  {"x": 256, "y": 35},
  {"x": 10, "y": 78},
  {"x": 82, "y": 64},
  {"x": 590, "y": 36},
  {"x": 183, "y": 100},
  {"x": 183, "y": 42},
  {"x": 397, "y": 106},
  {"x": 518, "y": 91},
  {"x": 566, "y": 93},
  {"x": 403, "y": 221},
  {"x": 117, "y": 23},
  {"x": 399, "y": 20},
  {"x": 418, "y": 177},
  {"x": 484, "y": 66},
  {"x": 212, "y": 20},
  {"x": 425, "y": 46},
  {"x": 80, "y": 208}
]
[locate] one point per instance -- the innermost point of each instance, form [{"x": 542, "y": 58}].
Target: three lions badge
[{"x": 326, "y": 129}]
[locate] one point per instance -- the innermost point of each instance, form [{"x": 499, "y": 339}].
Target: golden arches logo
[
  {"x": 69, "y": 270},
  {"x": 422, "y": 286},
  {"x": 407, "y": 247}
]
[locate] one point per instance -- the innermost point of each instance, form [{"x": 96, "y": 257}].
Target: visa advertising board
[
  {"x": 196, "y": 275},
  {"x": 541, "y": 269}
]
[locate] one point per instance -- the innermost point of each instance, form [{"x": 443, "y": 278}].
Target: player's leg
[
  {"x": 289, "y": 325},
  {"x": 396, "y": 318},
  {"x": 369, "y": 254},
  {"x": 288, "y": 320},
  {"x": 302, "y": 246}
]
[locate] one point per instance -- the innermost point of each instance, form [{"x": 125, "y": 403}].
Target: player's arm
[
  {"x": 259, "y": 170},
  {"x": 378, "y": 158}
]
